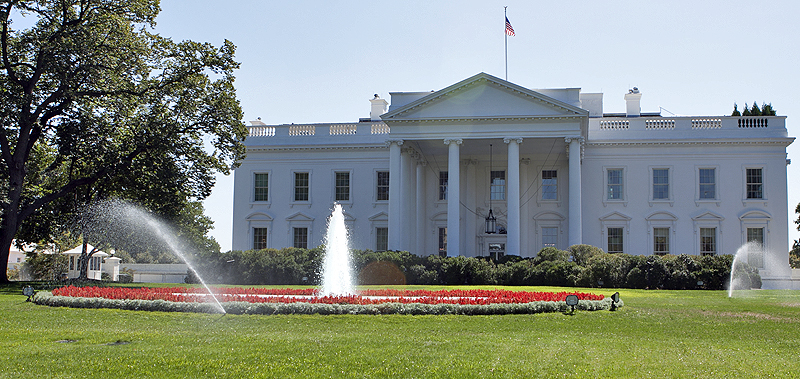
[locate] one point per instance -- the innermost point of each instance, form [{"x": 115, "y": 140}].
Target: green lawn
[{"x": 664, "y": 334}]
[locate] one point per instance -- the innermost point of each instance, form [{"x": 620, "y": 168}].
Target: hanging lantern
[{"x": 491, "y": 223}]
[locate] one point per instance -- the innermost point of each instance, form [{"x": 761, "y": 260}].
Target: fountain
[
  {"x": 751, "y": 253},
  {"x": 118, "y": 222},
  {"x": 337, "y": 273}
]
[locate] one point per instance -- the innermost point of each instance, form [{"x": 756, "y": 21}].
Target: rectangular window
[
  {"x": 708, "y": 183},
  {"x": 661, "y": 241},
  {"x": 301, "y": 186},
  {"x": 497, "y": 250},
  {"x": 615, "y": 244},
  {"x": 442, "y": 242},
  {"x": 261, "y": 187},
  {"x": 94, "y": 263},
  {"x": 614, "y": 184},
  {"x": 259, "y": 238},
  {"x": 549, "y": 237},
  {"x": 300, "y": 239},
  {"x": 498, "y": 187},
  {"x": 549, "y": 185},
  {"x": 708, "y": 241},
  {"x": 660, "y": 183},
  {"x": 382, "y": 186},
  {"x": 342, "y": 186},
  {"x": 442, "y": 185},
  {"x": 755, "y": 235},
  {"x": 71, "y": 262},
  {"x": 755, "y": 183},
  {"x": 755, "y": 256},
  {"x": 382, "y": 239}
]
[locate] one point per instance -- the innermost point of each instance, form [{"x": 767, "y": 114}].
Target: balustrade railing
[
  {"x": 299, "y": 130},
  {"x": 773, "y": 125}
]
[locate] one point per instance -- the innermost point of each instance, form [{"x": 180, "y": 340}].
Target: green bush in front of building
[{"x": 580, "y": 266}]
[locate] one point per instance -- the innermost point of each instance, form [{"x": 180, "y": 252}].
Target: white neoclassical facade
[{"x": 424, "y": 174}]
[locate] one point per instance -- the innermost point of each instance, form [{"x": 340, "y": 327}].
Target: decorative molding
[
  {"x": 397, "y": 141},
  {"x": 312, "y": 148},
  {"x": 509, "y": 139},
  {"x": 748, "y": 142},
  {"x": 458, "y": 141}
]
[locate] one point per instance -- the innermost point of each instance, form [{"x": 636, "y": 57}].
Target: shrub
[{"x": 581, "y": 254}]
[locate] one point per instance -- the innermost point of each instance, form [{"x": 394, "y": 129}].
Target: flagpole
[{"x": 505, "y": 14}]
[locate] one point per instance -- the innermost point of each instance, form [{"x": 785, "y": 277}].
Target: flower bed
[{"x": 307, "y": 301}]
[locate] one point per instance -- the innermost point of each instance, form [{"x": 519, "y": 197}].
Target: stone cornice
[
  {"x": 774, "y": 142},
  {"x": 483, "y": 78},
  {"x": 484, "y": 119},
  {"x": 311, "y": 148}
]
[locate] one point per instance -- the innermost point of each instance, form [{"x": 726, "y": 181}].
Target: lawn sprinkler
[
  {"x": 28, "y": 291},
  {"x": 614, "y": 301},
  {"x": 572, "y": 301}
]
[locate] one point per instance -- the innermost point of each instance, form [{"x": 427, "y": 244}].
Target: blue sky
[{"x": 321, "y": 61}]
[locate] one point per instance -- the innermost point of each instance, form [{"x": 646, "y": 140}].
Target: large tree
[{"x": 93, "y": 104}]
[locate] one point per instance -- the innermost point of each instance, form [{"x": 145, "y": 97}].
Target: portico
[{"x": 446, "y": 135}]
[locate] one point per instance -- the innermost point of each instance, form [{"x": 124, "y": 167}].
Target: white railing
[
  {"x": 614, "y": 124},
  {"x": 302, "y": 130},
  {"x": 379, "y": 128},
  {"x": 658, "y": 124},
  {"x": 706, "y": 123},
  {"x": 338, "y": 129},
  {"x": 753, "y": 122},
  {"x": 261, "y": 131},
  {"x": 773, "y": 126}
]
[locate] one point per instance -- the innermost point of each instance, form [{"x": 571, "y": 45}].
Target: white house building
[{"x": 553, "y": 169}]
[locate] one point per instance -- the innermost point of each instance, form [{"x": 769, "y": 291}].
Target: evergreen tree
[
  {"x": 755, "y": 111},
  {"x": 735, "y": 110},
  {"x": 746, "y": 111}
]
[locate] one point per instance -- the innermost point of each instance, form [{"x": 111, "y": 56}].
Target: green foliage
[
  {"x": 735, "y": 110},
  {"x": 44, "y": 266},
  {"x": 95, "y": 106},
  {"x": 794, "y": 255},
  {"x": 14, "y": 273},
  {"x": 551, "y": 267},
  {"x": 582, "y": 253},
  {"x": 765, "y": 110}
]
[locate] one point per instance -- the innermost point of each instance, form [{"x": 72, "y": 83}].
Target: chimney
[
  {"x": 378, "y": 108},
  {"x": 633, "y": 99}
]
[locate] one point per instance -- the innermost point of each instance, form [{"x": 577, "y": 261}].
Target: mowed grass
[{"x": 658, "y": 334}]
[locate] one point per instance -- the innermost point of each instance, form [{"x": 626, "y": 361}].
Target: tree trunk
[{"x": 8, "y": 229}]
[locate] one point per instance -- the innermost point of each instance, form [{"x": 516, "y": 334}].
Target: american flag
[{"x": 509, "y": 29}]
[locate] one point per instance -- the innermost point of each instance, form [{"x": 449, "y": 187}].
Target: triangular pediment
[
  {"x": 708, "y": 216},
  {"x": 615, "y": 216},
  {"x": 380, "y": 216},
  {"x": 483, "y": 96},
  {"x": 299, "y": 216}
]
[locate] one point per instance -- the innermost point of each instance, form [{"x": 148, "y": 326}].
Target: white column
[
  {"x": 394, "y": 193},
  {"x": 420, "y": 224},
  {"x": 408, "y": 203},
  {"x": 513, "y": 236},
  {"x": 524, "y": 224},
  {"x": 470, "y": 196},
  {"x": 453, "y": 197},
  {"x": 575, "y": 220}
]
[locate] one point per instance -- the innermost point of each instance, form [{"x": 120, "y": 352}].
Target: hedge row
[
  {"x": 238, "y": 307},
  {"x": 581, "y": 266}
]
